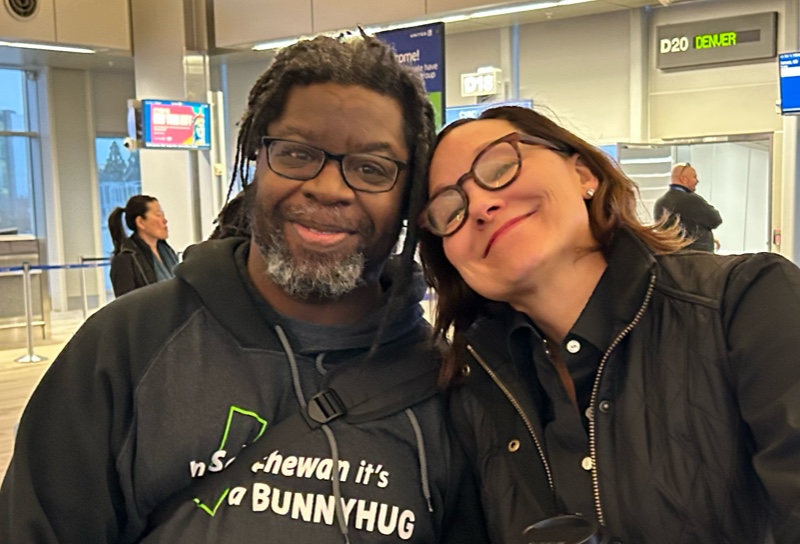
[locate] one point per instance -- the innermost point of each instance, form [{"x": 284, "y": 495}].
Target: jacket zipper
[
  {"x": 593, "y": 399},
  {"x": 521, "y": 413}
]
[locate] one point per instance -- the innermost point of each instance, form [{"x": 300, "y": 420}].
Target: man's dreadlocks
[{"x": 354, "y": 60}]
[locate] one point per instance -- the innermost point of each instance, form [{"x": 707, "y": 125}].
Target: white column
[
  {"x": 639, "y": 99},
  {"x": 790, "y": 239},
  {"x": 164, "y": 69}
]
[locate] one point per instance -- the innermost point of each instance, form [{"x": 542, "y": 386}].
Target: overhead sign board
[
  {"x": 717, "y": 41},
  {"x": 482, "y": 83}
]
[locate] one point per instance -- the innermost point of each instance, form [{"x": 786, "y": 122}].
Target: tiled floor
[{"x": 17, "y": 380}]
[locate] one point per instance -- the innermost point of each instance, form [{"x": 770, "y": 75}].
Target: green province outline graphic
[{"x": 211, "y": 511}]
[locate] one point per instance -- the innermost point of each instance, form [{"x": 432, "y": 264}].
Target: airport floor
[{"x": 18, "y": 380}]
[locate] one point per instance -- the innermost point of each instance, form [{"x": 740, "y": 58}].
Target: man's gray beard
[{"x": 324, "y": 277}]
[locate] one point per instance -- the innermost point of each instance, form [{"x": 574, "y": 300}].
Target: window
[
  {"x": 120, "y": 178},
  {"x": 16, "y": 156}
]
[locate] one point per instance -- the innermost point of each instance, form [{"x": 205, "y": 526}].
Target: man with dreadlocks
[{"x": 235, "y": 403}]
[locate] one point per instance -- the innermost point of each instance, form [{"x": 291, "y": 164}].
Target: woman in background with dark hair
[
  {"x": 145, "y": 257},
  {"x": 603, "y": 370}
]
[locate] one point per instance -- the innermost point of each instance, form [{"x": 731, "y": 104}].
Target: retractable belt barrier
[{"x": 26, "y": 270}]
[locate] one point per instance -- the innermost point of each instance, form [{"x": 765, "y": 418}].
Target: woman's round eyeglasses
[{"x": 495, "y": 167}]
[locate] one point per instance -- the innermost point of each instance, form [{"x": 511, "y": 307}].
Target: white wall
[
  {"x": 238, "y": 79},
  {"x": 580, "y": 70},
  {"x": 576, "y": 70},
  {"x": 110, "y": 94},
  {"x": 714, "y": 100}
]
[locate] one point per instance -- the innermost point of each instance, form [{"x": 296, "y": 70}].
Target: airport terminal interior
[{"x": 104, "y": 99}]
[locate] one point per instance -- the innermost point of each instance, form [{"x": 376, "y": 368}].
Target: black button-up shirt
[{"x": 613, "y": 304}]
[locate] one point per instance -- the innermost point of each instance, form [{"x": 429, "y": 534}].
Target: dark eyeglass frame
[
  {"x": 267, "y": 142},
  {"x": 684, "y": 167},
  {"x": 513, "y": 138}
]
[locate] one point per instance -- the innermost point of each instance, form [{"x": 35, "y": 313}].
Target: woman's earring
[{"x": 589, "y": 193}]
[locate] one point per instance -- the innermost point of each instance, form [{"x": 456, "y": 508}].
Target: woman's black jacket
[
  {"x": 695, "y": 427},
  {"x": 133, "y": 266}
]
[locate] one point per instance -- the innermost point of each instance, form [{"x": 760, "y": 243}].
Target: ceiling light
[
  {"x": 44, "y": 47},
  {"x": 277, "y": 44},
  {"x": 524, "y": 7}
]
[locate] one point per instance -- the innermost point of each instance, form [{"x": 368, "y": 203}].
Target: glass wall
[
  {"x": 17, "y": 137},
  {"x": 735, "y": 177},
  {"x": 119, "y": 177}
]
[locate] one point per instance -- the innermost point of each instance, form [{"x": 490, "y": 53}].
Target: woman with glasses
[{"x": 595, "y": 368}]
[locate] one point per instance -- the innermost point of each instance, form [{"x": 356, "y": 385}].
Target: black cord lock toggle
[{"x": 325, "y": 406}]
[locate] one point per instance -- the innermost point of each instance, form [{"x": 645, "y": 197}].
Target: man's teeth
[{"x": 321, "y": 231}]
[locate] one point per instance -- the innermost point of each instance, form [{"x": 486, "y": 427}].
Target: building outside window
[
  {"x": 17, "y": 137},
  {"x": 119, "y": 177}
]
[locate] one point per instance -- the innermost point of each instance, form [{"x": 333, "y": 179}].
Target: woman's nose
[{"x": 484, "y": 205}]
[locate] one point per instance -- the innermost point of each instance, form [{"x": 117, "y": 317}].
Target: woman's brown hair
[{"x": 613, "y": 207}]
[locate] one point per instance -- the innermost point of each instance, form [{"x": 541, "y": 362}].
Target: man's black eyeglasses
[
  {"x": 360, "y": 171},
  {"x": 495, "y": 167}
]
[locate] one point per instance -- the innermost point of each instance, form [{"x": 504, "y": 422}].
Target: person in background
[
  {"x": 596, "y": 369},
  {"x": 201, "y": 409},
  {"x": 145, "y": 257},
  {"x": 683, "y": 205}
]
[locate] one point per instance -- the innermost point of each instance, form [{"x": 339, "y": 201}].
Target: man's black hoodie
[{"x": 167, "y": 385}]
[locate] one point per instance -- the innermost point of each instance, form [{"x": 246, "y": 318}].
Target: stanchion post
[
  {"x": 26, "y": 290},
  {"x": 84, "y": 294}
]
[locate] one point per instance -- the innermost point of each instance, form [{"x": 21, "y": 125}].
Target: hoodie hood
[{"x": 217, "y": 272}]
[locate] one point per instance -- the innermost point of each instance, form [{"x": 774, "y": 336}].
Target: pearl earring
[{"x": 589, "y": 193}]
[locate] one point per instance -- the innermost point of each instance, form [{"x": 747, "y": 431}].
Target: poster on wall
[
  {"x": 422, "y": 48},
  {"x": 175, "y": 125}
]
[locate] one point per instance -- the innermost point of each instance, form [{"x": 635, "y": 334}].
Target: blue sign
[
  {"x": 422, "y": 48},
  {"x": 789, "y": 64},
  {"x": 471, "y": 112}
]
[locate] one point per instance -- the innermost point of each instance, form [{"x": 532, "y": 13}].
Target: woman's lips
[{"x": 503, "y": 229}]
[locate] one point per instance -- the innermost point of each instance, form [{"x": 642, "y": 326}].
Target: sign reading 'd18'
[{"x": 717, "y": 41}]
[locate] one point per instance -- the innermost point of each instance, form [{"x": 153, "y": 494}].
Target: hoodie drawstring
[
  {"x": 337, "y": 494},
  {"x": 423, "y": 458},
  {"x": 301, "y": 399},
  {"x": 318, "y": 364}
]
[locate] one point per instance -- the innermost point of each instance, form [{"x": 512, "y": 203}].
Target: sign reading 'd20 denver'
[{"x": 717, "y": 41}]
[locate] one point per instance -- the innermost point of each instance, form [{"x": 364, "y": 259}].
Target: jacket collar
[
  {"x": 619, "y": 293},
  {"x": 613, "y": 304},
  {"x": 681, "y": 188}
]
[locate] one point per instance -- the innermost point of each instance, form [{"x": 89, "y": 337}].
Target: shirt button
[
  {"x": 587, "y": 463},
  {"x": 573, "y": 346},
  {"x": 605, "y": 406}
]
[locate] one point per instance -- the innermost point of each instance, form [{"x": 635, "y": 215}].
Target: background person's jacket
[
  {"x": 134, "y": 267},
  {"x": 168, "y": 385},
  {"x": 697, "y": 217},
  {"x": 696, "y": 417}
]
